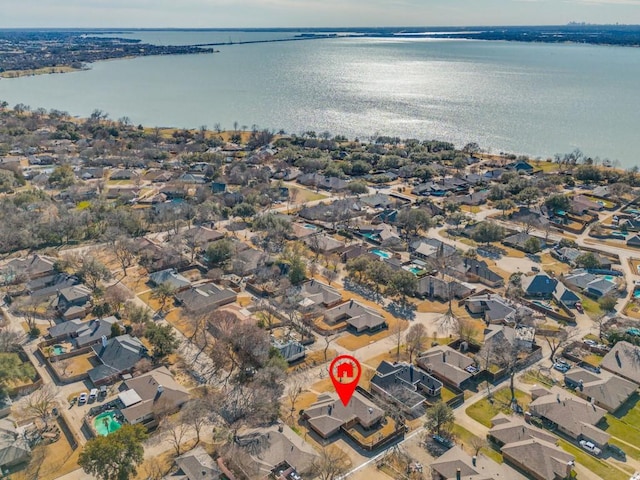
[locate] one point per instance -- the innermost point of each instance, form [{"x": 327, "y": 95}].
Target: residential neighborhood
[{"x": 186, "y": 295}]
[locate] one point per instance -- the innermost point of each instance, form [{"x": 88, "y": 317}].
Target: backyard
[{"x": 484, "y": 410}]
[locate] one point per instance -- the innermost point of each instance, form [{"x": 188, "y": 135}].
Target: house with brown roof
[
  {"x": 328, "y": 415},
  {"x": 316, "y": 295},
  {"x": 572, "y": 415},
  {"x": 605, "y": 389},
  {"x": 456, "y": 464},
  {"x": 266, "y": 451},
  {"x": 358, "y": 317},
  {"x": 541, "y": 460},
  {"x": 448, "y": 365},
  {"x": 196, "y": 464},
  {"x": 205, "y": 297},
  {"x": 623, "y": 360},
  {"x": 153, "y": 392},
  {"x": 73, "y": 302}
]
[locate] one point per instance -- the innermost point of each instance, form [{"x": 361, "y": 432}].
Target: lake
[{"x": 531, "y": 98}]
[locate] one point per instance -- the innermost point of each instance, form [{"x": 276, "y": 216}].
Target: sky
[{"x": 310, "y": 13}]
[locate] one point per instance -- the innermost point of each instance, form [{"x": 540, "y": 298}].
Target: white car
[
  {"x": 82, "y": 398},
  {"x": 590, "y": 447}
]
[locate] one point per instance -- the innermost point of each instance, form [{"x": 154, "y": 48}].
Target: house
[
  {"x": 623, "y": 360},
  {"x": 196, "y": 464},
  {"x": 73, "y": 302},
  {"x": 433, "y": 287},
  {"x": 521, "y": 336},
  {"x": 205, "y": 297},
  {"x": 358, "y": 317},
  {"x": 324, "y": 182},
  {"x": 328, "y": 414},
  {"x": 448, "y": 365},
  {"x": 354, "y": 251},
  {"x": 405, "y": 385},
  {"x": 426, "y": 248},
  {"x": 335, "y": 212},
  {"x": 117, "y": 356},
  {"x": 492, "y": 307},
  {"x": 565, "y": 296},
  {"x": 605, "y": 389},
  {"x": 43, "y": 287},
  {"x": 581, "y": 204},
  {"x": 572, "y": 415},
  {"x": 171, "y": 277},
  {"x": 634, "y": 241},
  {"x": 530, "y": 449},
  {"x": 590, "y": 283},
  {"x": 316, "y": 295},
  {"x": 83, "y": 334},
  {"x": 379, "y": 201},
  {"x": 291, "y": 350},
  {"x": 152, "y": 392},
  {"x": 29, "y": 268},
  {"x": 456, "y": 464},
  {"x": 14, "y": 448},
  {"x": 538, "y": 286},
  {"x": 519, "y": 241},
  {"x": 263, "y": 452},
  {"x": 472, "y": 199},
  {"x": 245, "y": 262},
  {"x": 522, "y": 166},
  {"x": 322, "y": 243}
]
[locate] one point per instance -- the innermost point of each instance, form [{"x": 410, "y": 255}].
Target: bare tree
[
  {"x": 163, "y": 293},
  {"x": 9, "y": 340},
  {"x": 561, "y": 340},
  {"x": 477, "y": 443},
  {"x": 177, "y": 430},
  {"x": 416, "y": 340},
  {"x": 40, "y": 402},
  {"x": 396, "y": 331},
  {"x": 116, "y": 296},
  {"x": 332, "y": 463},
  {"x": 294, "y": 390},
  {"x": 195, "y": 414},
  {"x": 505, "y": 355},
  {"x": 327, "y": 341},
  {"x": 466, "y": 330}
]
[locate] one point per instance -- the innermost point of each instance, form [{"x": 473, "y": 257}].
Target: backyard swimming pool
[
  {"x": 381, "y": 253},
  {"x": 58, "y": 350},
  {"x": 106, "y": 423}
]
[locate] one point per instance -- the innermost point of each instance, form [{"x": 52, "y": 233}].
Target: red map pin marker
[{"x": 345, "y": 374}]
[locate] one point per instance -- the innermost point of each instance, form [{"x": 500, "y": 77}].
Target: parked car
[
  {"x": 590, "y": 343},
  {"x": 590, "y": 447},
  {"x": 82, "y": 398},
  {"x": 103, "y": 391},
  {"x": 561, "y": 367},
  {"x": 443, "y": 441},
  {"x": 93, "y": 394},
  {"x": 535, "y": 269},
  {"x": 579, "y": 307}
]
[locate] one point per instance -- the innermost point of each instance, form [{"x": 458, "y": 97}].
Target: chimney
[
  {"x": 159, "y": 391},
  {"x": 581, "y": 385},
  {"x": 458, "y": 474},
  {"x": 351, "y": 303},
  {"x": 444, "y": 357},
  {"x": 474, "y": 460}
]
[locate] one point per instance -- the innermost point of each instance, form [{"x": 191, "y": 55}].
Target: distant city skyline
[{"x": 310, "y": 13}]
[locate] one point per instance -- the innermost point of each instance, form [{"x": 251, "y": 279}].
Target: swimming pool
[
  {"x": 636, "y": 294},
  {"x": 542, "y": 304},
  {"x": 611, "y": 278},
  {"x": 371, "y": 236},
  {"x": 381, "y": 253},
  {"x": 58, "y": 350},
  {"x": 106, "y": 423},
  {"x": 310, "y": 227}
]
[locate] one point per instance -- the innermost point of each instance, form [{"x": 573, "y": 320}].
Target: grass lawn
[
  {"x": 483, "y": 411},
  {"x": 591, "y": 307},
  {"x": 533, "y": 377},
  {"x": 624, "y": 429},
  {"x": 600, "y": 468},
  {"x": 550, "y": 264},
  {"x": 304, "y": 195},
  {"x": 466, "y": 438}
]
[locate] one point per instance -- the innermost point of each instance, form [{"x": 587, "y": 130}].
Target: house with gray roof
[
  {"x": 590, "y": 283},
  {"x": 563, "y": 295},
  {"x": 291, "y": 350},
  {"x": 328, "y": 414},
  {"x": 49, "y": 285},
  {"x": 405, "y": 385},
  {"x": 117, "y": 356},
  {"x": 29, "y": 268},
  {"x": 492, "y": 307},
  {"x": 316, "y": 294},
  {"x": 448, "y": 365},
  {"x": 573, "y": 416},
  {"x": 205, "y": 297},
  {"x": 623, "y": 360},
  {"x": 14, "y": 448},
  {"x": 358, "y": 317},
  {"x": 539, "y": 458},
  {"x": 521, "y": 336},
  {"x": 73, "y": 302},
  {"x": 196, "y": 464},
  {"x": 83, "y": 334},
  {"x": 431, "y": 287},
  {"x": 604, "y": 389},
  {"x": 507, "y": 429},
  {"x": 171, "y": 277}
]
